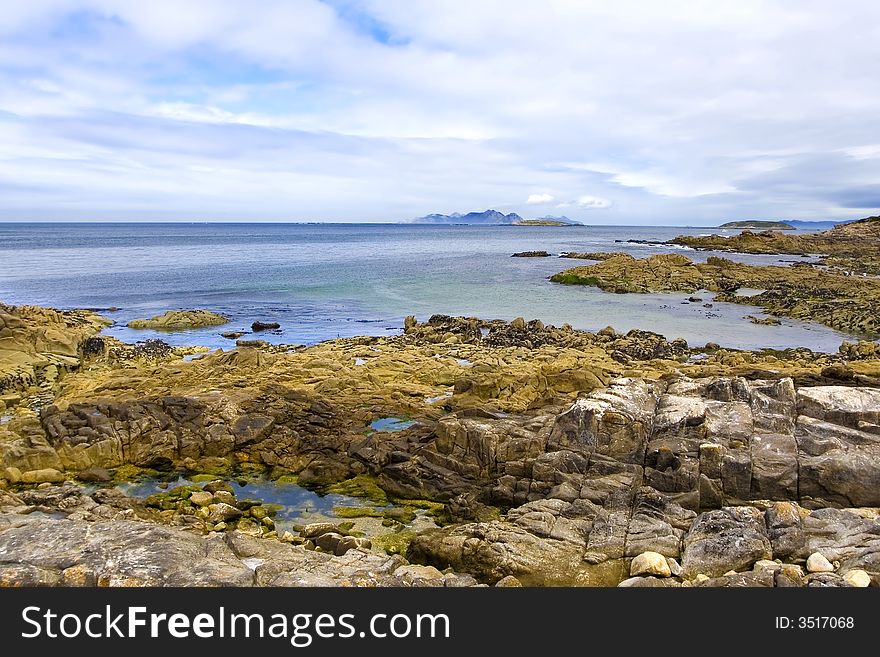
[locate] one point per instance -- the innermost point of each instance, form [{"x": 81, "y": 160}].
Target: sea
[{"x": 323, "y": 281}]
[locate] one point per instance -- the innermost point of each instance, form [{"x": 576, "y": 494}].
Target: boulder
[{"x": 731, "y": 538}]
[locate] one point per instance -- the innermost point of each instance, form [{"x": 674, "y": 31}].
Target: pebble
[
  {"x": 858, "y": 578},
  {"x": 650, "y": 563},
  {"x": 817, "y": 563}
]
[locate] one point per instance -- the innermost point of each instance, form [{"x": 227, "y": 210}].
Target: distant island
[
  {"x": 761, "y": 225},
  {"x": 492, "y": 218},
  {"x": 548, "y": 221}
]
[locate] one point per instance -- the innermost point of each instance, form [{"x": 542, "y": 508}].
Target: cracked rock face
[{"x": 720, "y": 472}]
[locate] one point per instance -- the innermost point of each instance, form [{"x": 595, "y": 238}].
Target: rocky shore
[
  {"x": 547, "y": 455},
  {"x": 844, "y": 301},
  {"x": 851, "y": 247}
]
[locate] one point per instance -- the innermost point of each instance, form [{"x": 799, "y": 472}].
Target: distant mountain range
[{"x": 492, "y": 218}]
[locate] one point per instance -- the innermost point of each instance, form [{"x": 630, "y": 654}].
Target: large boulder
[{"x": 731, "y": 538}]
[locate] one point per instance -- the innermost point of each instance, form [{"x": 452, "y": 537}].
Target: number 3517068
[{"x": 815, "y": 622}]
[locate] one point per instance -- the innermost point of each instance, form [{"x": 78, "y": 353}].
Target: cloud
[
  {"x": 210, "y": 108},
  {"x": 593, "y": 202}
]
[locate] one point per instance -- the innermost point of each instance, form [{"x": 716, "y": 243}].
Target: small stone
[
  {"x": 792, "y": 570},
  {"x": 220, "y": 526},
  {"x": 345, "y": 544},
  {"x": 50, "y": 475},
  {"x": 315, "y": 529},
  {"x": 415, "y": 571},
  {"x": 214, "y": 486},
  {"x": 222, "y": 512},
  {"x": 701, "y": 577},
  {"x": 817, "y": 563},
  {"x": 509, "y": 581},
  {"x": 328, "y": 541},
  {"x": 674, "y": 567},
  {"x": 287, "y": 537},
  {"x": 766, "y": 564},
  {"x": 858, "y": 578},
  {"x": 224, "y": 497},
  {"x": 95, "y": 475},
  {"x": 201, "y": 498},
  {"x": 650, "y": 563}
]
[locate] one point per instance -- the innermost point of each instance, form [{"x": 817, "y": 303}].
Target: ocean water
[{"x": 322, "y": 281}]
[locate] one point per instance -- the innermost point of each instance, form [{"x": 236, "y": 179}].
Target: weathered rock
[
  {"x": 177, "y": 320},
  {"x": 650, "y": 563},
  {"x": 222, "y": 512},
  {"x": 732, "y": 538},
  {"x": 201, "y": 498}
]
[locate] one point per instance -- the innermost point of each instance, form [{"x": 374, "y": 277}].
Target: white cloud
[
  {"x": 297, "y": 109},
  {"x": 593, "y": 202},
  {"x": 538, "y": 199}
]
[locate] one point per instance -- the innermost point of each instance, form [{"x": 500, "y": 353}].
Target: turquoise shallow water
[{"x": 329, "y": 280}]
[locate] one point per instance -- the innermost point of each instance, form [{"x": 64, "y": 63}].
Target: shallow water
[
  {"x": 391, "y": 424},
  {"x": 299, "y": 505},
  {"x": 331, "y": 280}
]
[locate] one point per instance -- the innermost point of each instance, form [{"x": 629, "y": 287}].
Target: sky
[{"x": 628, "y": 112}]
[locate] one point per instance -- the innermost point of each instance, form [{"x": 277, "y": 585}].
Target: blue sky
[{"x": 680, "y": 112}]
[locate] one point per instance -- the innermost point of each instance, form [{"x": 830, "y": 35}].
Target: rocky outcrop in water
[
  {"x": 802, "y": 291},
  {"x": 177, "y": 320},
  {"x": 849, "y": 247}
]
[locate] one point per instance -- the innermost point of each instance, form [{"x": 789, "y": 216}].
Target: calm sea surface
[{"x": 328, "y": 280}]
